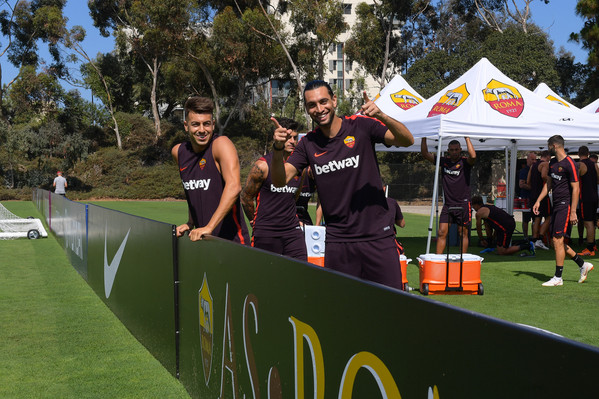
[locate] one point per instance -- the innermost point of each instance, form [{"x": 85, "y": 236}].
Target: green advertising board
[
  {"x": 130, "y": 267},
  {"x": 253, "y": 324}
]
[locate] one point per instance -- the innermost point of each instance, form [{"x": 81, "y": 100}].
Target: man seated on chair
[{"x": 502, "y": 223}]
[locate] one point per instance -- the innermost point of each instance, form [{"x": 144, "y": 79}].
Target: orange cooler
[
  {"x": 403, "y": 260},
  {"x": 434, "y": 278}
]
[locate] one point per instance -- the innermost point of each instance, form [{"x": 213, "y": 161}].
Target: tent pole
[
  {"x": 512, "y": 187},
  {"x": 435, "y": 195}
]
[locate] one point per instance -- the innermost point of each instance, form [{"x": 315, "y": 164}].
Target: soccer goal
[{"x": 13, "y": 226}]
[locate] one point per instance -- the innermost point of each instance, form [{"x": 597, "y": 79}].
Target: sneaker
[
  {"x": 586, "y": 252},
  {"x": 540, "y": 244},
  {"x": 584, "y": 271},
  {"x": 554, "y": 282},
  {"x": 532, "y": 247}
]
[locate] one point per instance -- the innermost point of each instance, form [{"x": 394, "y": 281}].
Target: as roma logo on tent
[
  {"x": 450, "y": 101},
  {"x": 404, "y": 99},
  {"x": 504, "y": 98},
  {"x": 557, "y": 100}
]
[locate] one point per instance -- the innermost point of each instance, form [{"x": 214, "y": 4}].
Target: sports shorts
[
  {"x": 588, "y": 211},
  {"x": 560, "y": 220},
  {"x": 376, "y": 260},
  {"x": 292, "y": 244},
  {"x": 544, "y": 207},
  {"x": 462, "y": 218},
  {"x": 504, "y": 234}
]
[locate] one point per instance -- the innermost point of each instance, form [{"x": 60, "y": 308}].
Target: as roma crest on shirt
[
  {"x": 504, "y": 98},
  {"x": 350, "y": 141},
  {"x": 206, "y": 311},
  {"x": 202, "y": 163},
  {"x": 450, "y": 101},
  {"x": 557, "y": 100},
  {"x": 404, "y": 99}
]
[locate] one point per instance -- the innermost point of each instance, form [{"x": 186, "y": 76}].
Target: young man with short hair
[
  {"x": 498, "y": 220},
  {"x": 340, "y": 151},
  {"x": 455, "y": 176},
  {"x": 272, "y": 210},
  {"x": 537, "y": 178},
  {"x": 209, "y": 169},
  {"x": 565, "y": 189},
  {"x": 589, "y": 177}
]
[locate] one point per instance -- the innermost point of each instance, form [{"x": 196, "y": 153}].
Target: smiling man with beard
[
  {"x": 209, "y": 169},
  {"x": 359, "y": 237}
]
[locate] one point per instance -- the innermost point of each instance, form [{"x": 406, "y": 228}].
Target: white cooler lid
[{"x": 452, "y": 257}]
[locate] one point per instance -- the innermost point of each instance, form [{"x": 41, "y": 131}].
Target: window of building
[{"x": 346, "y": 9}]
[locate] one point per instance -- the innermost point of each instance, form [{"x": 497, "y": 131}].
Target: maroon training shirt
[
  {"x": 348, "y": 179},
  {"x": 203, "y": 185},
  {"x": 275, "y": 206}
]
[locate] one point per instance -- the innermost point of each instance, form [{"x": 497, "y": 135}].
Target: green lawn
[{"x": 58, "y": 339}]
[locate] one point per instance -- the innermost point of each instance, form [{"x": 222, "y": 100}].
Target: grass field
[{"x": 58, "y": 339}]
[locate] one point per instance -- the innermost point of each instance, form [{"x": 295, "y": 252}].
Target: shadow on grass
[{"x": 537, "y": 276}]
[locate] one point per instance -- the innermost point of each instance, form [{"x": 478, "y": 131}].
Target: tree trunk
[{"x": 154, "y": 70}]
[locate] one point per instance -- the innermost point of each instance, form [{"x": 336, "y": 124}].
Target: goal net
[{"x": 13, "y": 226}]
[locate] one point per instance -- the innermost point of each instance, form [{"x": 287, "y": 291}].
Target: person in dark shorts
[
  {"x": 565, "y": 189},
  {"x": 302, "y": 201},
  {"x": 531, "y": 158},
  {"x": 589, "y": 175},
  {"x": 537, "y": 178},
  {"x": 340, "y": 152},
  {"x": 209, "y": 170},
  {"x": 502, "y": 224},
  {"x": 455, "y": 176},
  {"x": 271, "y": 210},
  {"x": 396, "y": 219}
]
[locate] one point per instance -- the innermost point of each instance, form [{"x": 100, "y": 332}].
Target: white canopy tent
[
  {"x": 544, "y": 91},
  {"x": 592, "y": 108},
  {"x": 496, "y": 113}
]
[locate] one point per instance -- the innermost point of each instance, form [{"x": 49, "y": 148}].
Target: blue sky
[{"x": 557, "y": 18}]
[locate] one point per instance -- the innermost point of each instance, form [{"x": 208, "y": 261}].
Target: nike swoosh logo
[
  {"x": 110, "y": 270},
  {"x": 182, "y": 169},
  {"x": 319, "y": 155}
]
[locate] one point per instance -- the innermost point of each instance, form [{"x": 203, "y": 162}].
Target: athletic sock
[
  {"x": 524, "y": 245},
  {"x": 579, "y": 261},
  {"x": 558, "y": 271},
  {"x": 591, "y": 246}
]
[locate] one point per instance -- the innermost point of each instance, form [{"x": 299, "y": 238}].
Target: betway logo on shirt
[
  {"x": 556, "y": 177},
  {"x": 201, "y": 184},
  {"x": 284, "y": 189},
  {"x": 332, "y": 166},
  {"x": 451, "y": 172}
]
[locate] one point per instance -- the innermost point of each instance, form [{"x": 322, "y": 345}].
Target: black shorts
[
  {"x": 560, "y": 221},
  {"x": 376, "y": 260},
  {"x": 461, "y": 218},
  {"x": 544, "y": 207},
  {"x": 292, "y": 244},
  {"x": 504, "y": 235},
  {"x": 526, "y": 216},
  {"x": 588, "y": 211}
]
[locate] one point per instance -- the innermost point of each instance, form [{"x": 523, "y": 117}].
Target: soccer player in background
[
  {"x": 498, "y": 220},
  {"x": 589, "y": 176},
  {"x": 271, "y": 209},
  {"x": 455, "y": 175},
  {"x": 565, "y": 189},
  {"x": 209, "y": 170},
  {"x": 340, "y": 152},
  {"x": 531, "y": 158},
  {"x": 537, "y": 178}
]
